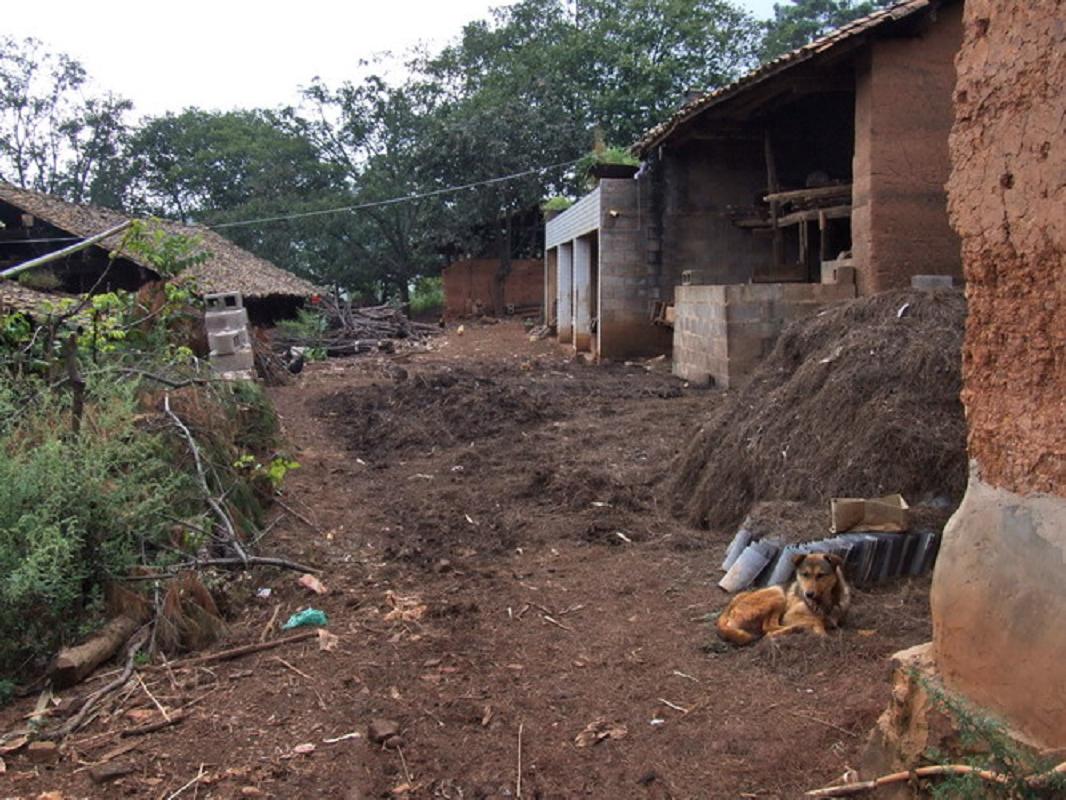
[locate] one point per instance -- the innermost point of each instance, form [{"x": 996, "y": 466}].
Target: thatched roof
[
  {"x": 848, "y": 35},
  {"x": 229, "y": 268},
  {"x": 16, "y": 297}
]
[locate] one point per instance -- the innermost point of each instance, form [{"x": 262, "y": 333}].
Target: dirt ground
[{"x": 502, "y": 573}]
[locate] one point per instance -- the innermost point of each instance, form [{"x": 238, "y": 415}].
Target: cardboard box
[{"x": 889, "y": 514}]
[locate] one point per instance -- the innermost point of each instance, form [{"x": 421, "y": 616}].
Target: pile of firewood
[{"x": 358, "y": 330}]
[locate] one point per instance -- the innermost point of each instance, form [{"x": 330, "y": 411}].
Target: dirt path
[{"x": 499, "y": 561}]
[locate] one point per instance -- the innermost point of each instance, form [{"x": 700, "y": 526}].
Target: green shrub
[
  {"x": 557, "y": 203},
  {"x": 76, "y": 511},
  {"x": 428, "y": 295}
]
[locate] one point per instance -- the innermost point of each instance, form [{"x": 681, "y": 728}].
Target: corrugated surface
[
  {"x": 581, "y": 218},
  {"x": 893, "y": 13}
]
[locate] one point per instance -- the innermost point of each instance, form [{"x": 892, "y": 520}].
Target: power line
[
  {"x": 340, "y": 209},
  {"x": 394, "y": 200}
]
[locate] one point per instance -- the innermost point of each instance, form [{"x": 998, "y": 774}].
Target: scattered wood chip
[
  {"x": 303, "y": 749},
  {"x": 598, "y": 731},
  {"x": 327, "y": 641},
  {"x": 312, "y": 583},
  {"x": 109, "y": 772},
  {"x": 408, "y": 608}
]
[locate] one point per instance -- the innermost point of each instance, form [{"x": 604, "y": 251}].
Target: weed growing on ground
[{"x": 1025, "y": 775}]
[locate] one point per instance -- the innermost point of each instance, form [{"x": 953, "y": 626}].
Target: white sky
[{"x": 233, "y": 53}]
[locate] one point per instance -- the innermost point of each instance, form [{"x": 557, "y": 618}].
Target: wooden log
[{"x": 73, "y": 664}]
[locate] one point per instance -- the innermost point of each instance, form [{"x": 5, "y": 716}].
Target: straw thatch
[
  {"x": 14, "y": 297},
  {"x": 227, "y": 269}
]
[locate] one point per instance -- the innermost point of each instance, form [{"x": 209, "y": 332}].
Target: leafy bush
[
  {"x": 75, "y": 512},
  {"x": 428, "y": 295},
  {"x": 557, "y": 203}
]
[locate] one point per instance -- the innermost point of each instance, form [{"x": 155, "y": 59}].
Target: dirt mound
[
  {"x": 438, "y": 409},
  {"x": 862, "y": 399}
]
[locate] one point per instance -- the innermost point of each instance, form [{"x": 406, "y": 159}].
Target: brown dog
[{"x": 816, "y": 601}]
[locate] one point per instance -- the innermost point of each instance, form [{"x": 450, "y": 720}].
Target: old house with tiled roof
[
  {"x": 35, "y": 223},
  {"x": 818, "y": 176}
]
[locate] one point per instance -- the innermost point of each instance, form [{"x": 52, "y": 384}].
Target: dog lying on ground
[{"x": 816, "y": 601}]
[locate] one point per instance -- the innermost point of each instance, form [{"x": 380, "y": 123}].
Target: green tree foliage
[
  {"x": 212, "y": 168},
  {"x": 798, "y": 22},
  {"x": 55, "y": 136}
]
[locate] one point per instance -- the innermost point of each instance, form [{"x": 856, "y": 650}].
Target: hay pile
[{"x": 861, "y": 400}]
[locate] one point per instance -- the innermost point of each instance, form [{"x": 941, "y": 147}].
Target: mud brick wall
[
  {"x": 722, "y": 332},
  {"x": 469, "y": 282},
  {"x": 999, "y": 590},
  {"x": 903, "y": 115}
]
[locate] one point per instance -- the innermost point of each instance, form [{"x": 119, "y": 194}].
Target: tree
[
  {"x": 801, "y": 21},
  {"x": 54, "y": 137},
  {"x": 215, "y": 168}
]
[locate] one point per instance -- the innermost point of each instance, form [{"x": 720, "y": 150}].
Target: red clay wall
[
  {"x": 999, "y": 590},
  {"x": 470, "y": 283},
  {"x": 903, "y": 115},
  {"x": 1008, "y": 200}
]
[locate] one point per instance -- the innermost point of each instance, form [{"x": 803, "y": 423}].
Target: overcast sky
[{"x": 233, "y": 53}]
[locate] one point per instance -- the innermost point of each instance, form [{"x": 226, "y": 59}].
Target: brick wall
[
  {"x": 468, "y": 285},
  {"x": 903, "y": 114},
  {"x": 722, "y": 332}
]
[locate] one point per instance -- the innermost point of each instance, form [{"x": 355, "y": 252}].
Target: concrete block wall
[
  {"x": 702, "y": 180},
  {"x": 722, "y": 332},
  {"x": 628, "y": 283}
]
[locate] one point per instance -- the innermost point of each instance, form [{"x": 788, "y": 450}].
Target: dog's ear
[
  {"x": 834, "y": 559},
  {"x": 798, "y": 559}
]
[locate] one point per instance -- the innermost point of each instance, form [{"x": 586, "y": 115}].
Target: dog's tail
[{"x": 730, "y": 633}]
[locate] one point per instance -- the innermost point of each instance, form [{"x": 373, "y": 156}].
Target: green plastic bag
[{"x": 309, "y": 616}]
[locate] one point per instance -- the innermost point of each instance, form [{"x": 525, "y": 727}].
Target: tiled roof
[{"x": 830, "y": 41}]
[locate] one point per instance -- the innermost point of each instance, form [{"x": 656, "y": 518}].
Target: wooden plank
[
  {"x": 817, "y": 193},
  {"x": 771, "y": 182},
  {"x": 814, "y": 214}
]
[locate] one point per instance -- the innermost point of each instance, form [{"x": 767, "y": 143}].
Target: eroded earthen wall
[
  {"x": 468, "y": 285},
  {"x": 999, "y": 590},
  {"x": 903, "y": 113}
]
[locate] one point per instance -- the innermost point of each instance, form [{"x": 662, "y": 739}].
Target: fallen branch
[
  {"x": 824, "y": 722},
  {"x": 237, "y": 652},
  {"x": 152, "y": 727},
  {"x": 231, "y": 531},
  {"x": 936, "y": 771},
  {"x": 250, "y": 561},
  {"x": 75, "y": 722},
  {"x": 74, "y": 663}
]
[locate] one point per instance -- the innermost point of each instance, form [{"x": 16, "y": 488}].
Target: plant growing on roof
[
  {"x": 607, "y": 162},
  {"x": 557, "y": 203}
]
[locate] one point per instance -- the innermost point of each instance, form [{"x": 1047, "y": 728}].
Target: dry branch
[
  {"x": 237, "y": 652},
  {"x": 937, "y": 771},
  {"x": 227, "y": 524}
]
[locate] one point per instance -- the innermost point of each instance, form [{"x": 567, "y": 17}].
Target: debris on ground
[
  {"x": 352, "y": 331},
  {"x": 877, "y": 547},
  {"x": 599, "y": 731},
  {"x": 855, "y": 401},
  {"x": 309, "y": 616}
]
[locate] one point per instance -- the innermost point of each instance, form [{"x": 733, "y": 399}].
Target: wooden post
[
  {"x": 772, "y": 185},
  {"x": 77, "y": 383}
]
